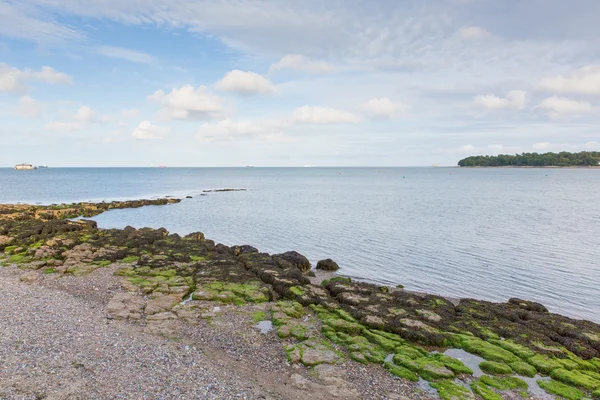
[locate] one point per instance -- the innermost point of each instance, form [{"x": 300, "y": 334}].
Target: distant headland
[{"x": 562, "y": 159}]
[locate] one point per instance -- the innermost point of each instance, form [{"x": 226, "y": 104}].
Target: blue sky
[{"x": 291, "y": 83}]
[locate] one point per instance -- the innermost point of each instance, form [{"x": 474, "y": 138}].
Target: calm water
[{"x": 483, "y": 233}]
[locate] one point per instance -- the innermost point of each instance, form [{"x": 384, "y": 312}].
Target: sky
[{"x": 294, "y": 83}]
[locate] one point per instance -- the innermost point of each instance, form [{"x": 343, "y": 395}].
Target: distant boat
[
  {"x": 162, "y": 166},
  {"x": 25, "y": 167},
  {"x": 249, "y": 166},
  {"x": 436, "y": 165},
  {"x": 42, "y": 166}
]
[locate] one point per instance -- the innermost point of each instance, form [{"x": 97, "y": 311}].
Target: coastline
[{"x": 170, "y": 286}]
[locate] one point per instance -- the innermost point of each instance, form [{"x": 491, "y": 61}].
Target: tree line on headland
[{"x": 562, "y": 159}]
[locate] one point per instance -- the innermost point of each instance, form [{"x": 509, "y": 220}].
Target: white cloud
[
  {"x": 29, "y": 107},
  {"x": 64, "y": 126},
  {"x": 322, "y": 115},
  {"x": 52, "y": 76},
  {"x": 21, "y": 22},
  {"x": 245, "y": 83},
  {"x": 514, "y": 100},
  {"x": 126, "y": 54},
  {"x": 585, "y": 80},
  {"x": 557, "y": 107},
  {"x": 147, "y": 131},
  {"x": 14, "y": 80},
  {"x": 473, "y": 32},
  {"x": 80, "y": 120},
  {"x": 382, "y": 108},
  {"x": 85, "y": 114},
  {"x": 227, "y": 129},
  {"x": 301, "y": 63},
  {"x": 189, "y": 103},
  {"x": 11, "y": 79}
]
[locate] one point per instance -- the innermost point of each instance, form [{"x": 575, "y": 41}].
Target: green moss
[
  {"x": 49, "y": 271},
  {"x": 523, "y": 369},
  {"x": 103, "y": 263},
  {"x": 296, "y": 290},
  {"x": 292, "y": 309},
  {"x": 495, "y": 368},
  {"x": 259, "y": 316},
  {"x": 17, "y": 258},
  {"x": 138, "y": 280},
  {"x": 399, "y": 286},
  {"x": 9, "y": 249},
  {"x": 232, "y": 293},
  {"x": 449, "y": 390},
  {"x": 409, "y": 351},
  {"x": 37, "y": 245},
  {"x": 402, "y": 372},
  {"x": 300, "y": 332},
  {"x": 343, "y": 279},
  {"x": 164, "y": 273},
  {"x": 484, "y": 391},
  {"x": 345, "y": 315},
  {"x": 486, "y": 350},
  {"x": 506, "y": 383},
  {"x": 384, "y": 341},
  {"x": 575, "y": 378},
  {"x": 544, "y": 364},
  {"x": 517, "y": 349},
  {"x": 130, "y": 259},
  {"x": 452, "y": 364},
  {"x": 596, "y": 394},
  {"x": 199, "y": 258},
  {"x": 125, "y": 272},
  {"x": 562, "y": 390}
]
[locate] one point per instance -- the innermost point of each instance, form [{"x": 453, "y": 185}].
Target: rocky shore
[{"x": 141, "y": 313}]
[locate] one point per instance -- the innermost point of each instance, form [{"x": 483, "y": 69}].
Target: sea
[{"x": 488, "y": 234}]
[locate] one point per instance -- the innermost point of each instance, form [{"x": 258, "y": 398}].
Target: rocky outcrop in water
[{"x": 328, "y": 265}]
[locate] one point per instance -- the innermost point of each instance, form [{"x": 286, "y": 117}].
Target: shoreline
[{"x": 323, "y": 330}]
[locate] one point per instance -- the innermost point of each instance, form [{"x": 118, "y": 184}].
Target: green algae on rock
[
  {"x": 495, "y": 368},
  {"x": 562, "y": 390},
  {"x": 449, "y": 390},
  {"x": 484, "y": 391}
]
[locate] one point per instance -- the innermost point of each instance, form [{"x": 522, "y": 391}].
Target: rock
[
  {"x": 528, "y": 305},
  {"x": 299, "y": 382},
  {"x": 429, "y": 315},
  {"x": 163, "y": 316},
  {"x": 292, "y": 259},
  {"x": 329, "y": 373},
  {"x": 29, "y": 277},
  {"x": 161, "y": 304},
  {"x": 312, "y": 356},
  {"x": 188, "y": 197},
  {"x": 125, "y": 306},
  {"x": 5, "y": 241},
  {"x": 373, "y": 321},
  {"x": 328, "y": 265}
]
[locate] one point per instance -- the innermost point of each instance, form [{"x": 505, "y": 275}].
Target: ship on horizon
[{"x": 25, "y": 167}]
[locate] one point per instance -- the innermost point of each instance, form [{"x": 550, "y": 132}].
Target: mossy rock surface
[
  {"x": 495, "y": 368},
  {"x": 506, "y": 383},
  {"x": 486, "y": 350},
  {"x": 545, "y": 364},
  {"x": 484, "y": 391},
  {"x": 449, "y": 390},
  {"x": 562, "y": 390},
  {"x": 523, "y": 369},
  {"x": 402, "y": 372},
  {"x": 576, "y": 378}
]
